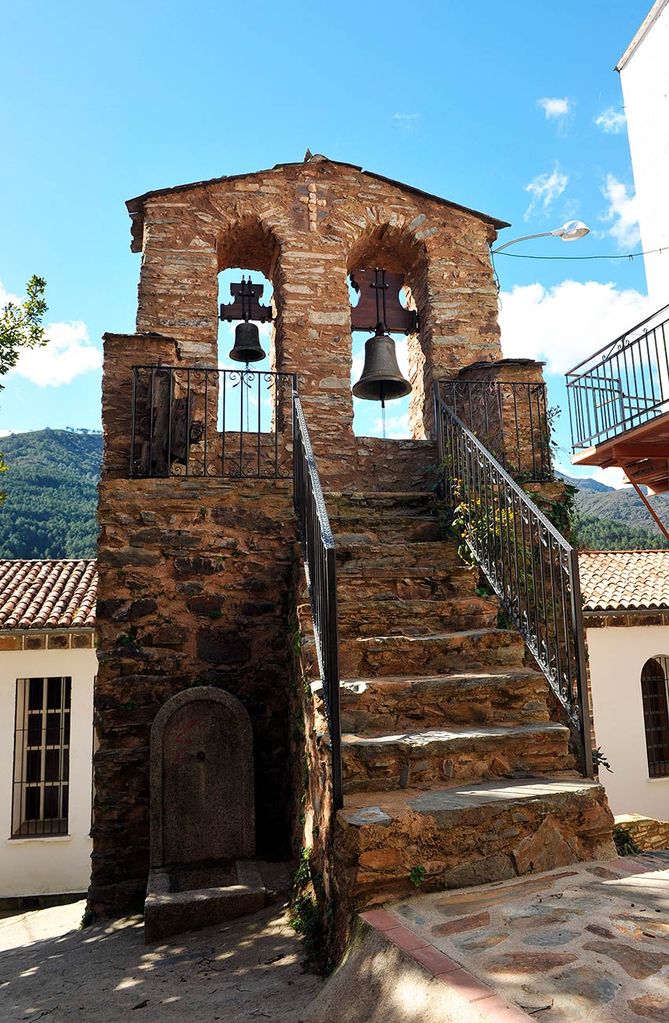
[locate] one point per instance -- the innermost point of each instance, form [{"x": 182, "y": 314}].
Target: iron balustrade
[
  {"x": 321, "y": 571},
  {"x": 527, "y": 562},
  {"x": 202, "y": 421},
  {"x": 621, "y": 386},
  {"x": 510, "y": 418}
]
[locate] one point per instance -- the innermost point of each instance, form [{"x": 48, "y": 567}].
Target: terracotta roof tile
[
  {"x": 47, "y": 594},
  {"x": 624, "y": 580}
]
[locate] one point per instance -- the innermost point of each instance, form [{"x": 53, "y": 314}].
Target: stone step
[
  {"x": 414, "y": 617},
  {"x": 356, "y": 503},
  {"x": 356, "y": 581},
  {"x": 467, "y": 835},
  {"x": 361, "y": 555},
  {"x": 397, "y": 530},
  {"x": 453, "y": 756},
  {"x": 389, "y": 705},
  {"x": 437, "y": 654}
]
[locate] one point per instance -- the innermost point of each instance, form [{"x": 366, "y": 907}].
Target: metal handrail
[
  {"x": 204, "y": 421},
  {"x": 621, "y": 386},
  {"x": 528, "y": 563},
  {"x": 320, "y": 566}
]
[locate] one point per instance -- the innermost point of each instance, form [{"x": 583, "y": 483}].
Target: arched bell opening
[
  {"x": 386, "y": 274},
  {"x": 238, "y": 400}
]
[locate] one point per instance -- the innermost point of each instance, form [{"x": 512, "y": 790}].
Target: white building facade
[
  {"x": 48, "y": 665},
  {"x": 626, "y": 617},
  {"x": 644, "y": 75}
]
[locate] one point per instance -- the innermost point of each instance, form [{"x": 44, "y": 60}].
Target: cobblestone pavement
[
  {"x": 240, "y": 972},
  {"x": 588, "y": 942}
]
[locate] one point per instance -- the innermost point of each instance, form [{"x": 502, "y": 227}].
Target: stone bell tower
[{"x": 197, "y": 562}]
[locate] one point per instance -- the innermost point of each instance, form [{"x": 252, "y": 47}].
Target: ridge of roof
[{"x": 136, "y": 204}]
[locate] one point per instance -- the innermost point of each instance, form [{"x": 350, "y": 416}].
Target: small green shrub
[
  {"x": 624, "y": 843},
  {"x": 417, "y": 876}
]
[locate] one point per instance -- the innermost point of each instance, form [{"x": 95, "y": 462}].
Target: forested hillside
[{"x": 50, "y": 488}]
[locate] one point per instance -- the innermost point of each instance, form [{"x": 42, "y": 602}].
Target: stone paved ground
[
  {"x": 238, "y": 973},
  {"x": 587, "y": 943}
]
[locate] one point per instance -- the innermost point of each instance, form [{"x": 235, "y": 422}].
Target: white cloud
[
  {"x": 555, "y": 108},
  {"x": 611, "y": 121},
  {"x": 545, "y": 189},
  {"x": 564, "y": 324},
  {"x": 68, "y": 354},
  {"x": 622, "y": 212},
  {"x": 397, "y": 427},
  {"x": 405, "y": 122},
  {"x": 612, "y": 477}
]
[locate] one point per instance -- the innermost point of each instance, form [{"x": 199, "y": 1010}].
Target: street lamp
[{"x": 569, "y": 232}]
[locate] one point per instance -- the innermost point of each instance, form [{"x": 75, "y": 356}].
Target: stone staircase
[{"x": 454, "y": 772}]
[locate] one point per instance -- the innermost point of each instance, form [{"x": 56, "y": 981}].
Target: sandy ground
[{"x": 240, "y": 972}]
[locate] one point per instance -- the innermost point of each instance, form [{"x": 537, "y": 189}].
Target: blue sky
[{"x": 512, "y": 108}]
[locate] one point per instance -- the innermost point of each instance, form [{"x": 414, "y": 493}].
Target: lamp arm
[{"x": 524, "y": 238}]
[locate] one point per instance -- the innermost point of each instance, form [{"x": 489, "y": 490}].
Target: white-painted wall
[
  {"x": 616, "y": 657},
  {"x": 58, "y": 864},
  {"x": 644, "y": 76}
]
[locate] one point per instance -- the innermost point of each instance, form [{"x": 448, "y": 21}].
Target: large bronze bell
[
  {"x": 381, "y": 379},
  {"x": 247, "y": 347}
]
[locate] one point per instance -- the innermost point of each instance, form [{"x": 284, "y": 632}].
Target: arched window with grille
[{"x": 654, "y": 675}]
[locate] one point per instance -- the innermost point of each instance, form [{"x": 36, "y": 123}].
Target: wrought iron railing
[
  {"x": 192, "y": 421},
  {"x": 510, "y": 418},
  {"x": 623, "y": 385},
  {"x": 321, "y": 570},
  {"x": 528, "y": 563}
]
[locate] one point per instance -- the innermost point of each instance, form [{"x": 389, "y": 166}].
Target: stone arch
[
  {"x": 397, "y": 249},
  {"x": 202, "y": 805},
  {"x": 251, "y": 244}
]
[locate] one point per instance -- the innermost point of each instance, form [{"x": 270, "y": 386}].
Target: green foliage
[
  {"x": 51, "y": 494},
  {"x": 21, "y": 325},
  {"x": 417, "y": 876},
  {"x": 302, "y": 875},
  {"x": 624, "y": 843},
  {"x": 600, "y": 759},
  {"x": 594, "y": 534}
]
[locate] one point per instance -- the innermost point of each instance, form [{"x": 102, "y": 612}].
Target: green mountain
[
  {"x": 50, "y": 486},
  {"x": 614, "y": 520}
]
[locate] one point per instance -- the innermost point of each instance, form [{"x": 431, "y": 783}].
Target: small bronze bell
[
  {"x": 247, "y": 347},
  {"x": 381, "y": 379}
]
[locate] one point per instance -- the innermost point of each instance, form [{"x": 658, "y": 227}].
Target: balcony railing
[
  {"x": 510, "y": 418},
  {"x": 211, "y": 422},
  {"x": 623, "y": 385}
]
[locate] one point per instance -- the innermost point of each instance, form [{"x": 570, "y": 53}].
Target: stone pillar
[
  {"x": 314, "y": 340},
  {"x": 457, "y": 301},
  {"x": 178, "y": 287},
  {"x": 504, "y": 404},
  {"x": 121, "y": 353}
]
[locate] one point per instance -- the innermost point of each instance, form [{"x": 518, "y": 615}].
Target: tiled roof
[
  {"x": 47, "y": 594},
  {"x": 624, "y": 580}
]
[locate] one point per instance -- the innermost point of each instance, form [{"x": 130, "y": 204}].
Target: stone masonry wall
[
  {"x": 650, "y": 835},
  {"x": 195, "y": 583}
]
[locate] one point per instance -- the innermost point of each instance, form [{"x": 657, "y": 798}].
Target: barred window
[
  {"x": 41, "y": 757},
  {"x": 654, "y": 676}
]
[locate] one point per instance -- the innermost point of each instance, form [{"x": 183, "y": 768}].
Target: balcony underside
[{"x": 643, "y": 454}]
